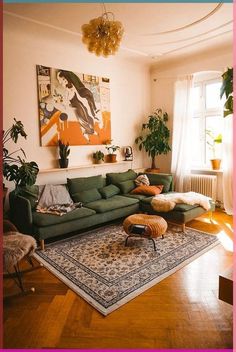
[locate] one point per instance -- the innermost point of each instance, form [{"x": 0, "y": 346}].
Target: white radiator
[{"x": 204, "y": 184}]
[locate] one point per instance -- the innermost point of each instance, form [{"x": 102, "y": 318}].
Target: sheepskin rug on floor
[{"x": 99, "y": 268}]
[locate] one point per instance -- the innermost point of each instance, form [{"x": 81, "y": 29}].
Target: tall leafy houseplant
[
  {"x": 155, "y": 139},
  {"x": 227, "y": 89},
  {"x": 15, "y": 168}
]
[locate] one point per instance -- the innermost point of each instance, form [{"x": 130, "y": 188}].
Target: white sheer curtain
[
  {"x": 181, "y": 140},
  {"x": 228, "y": 164}
]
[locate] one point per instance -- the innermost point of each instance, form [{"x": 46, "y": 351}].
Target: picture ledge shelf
[{"x": 84, "y": 166}]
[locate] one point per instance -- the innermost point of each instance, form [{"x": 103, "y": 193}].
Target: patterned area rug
[{"x": 99, "y": 268}]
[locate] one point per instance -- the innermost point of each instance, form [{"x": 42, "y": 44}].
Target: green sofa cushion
[
  {"x": 117, "y": 177},
  {"x": 115, "y": 202},
  {"x": 40, "y": 219},
  {"x": 76, "y": 185},
  {"x": 161, "y": 179},
  {"x": 87, "y": 196},
  {"x": 184, "y": 207},
  {"x": 31, "y": 193},
  {"x": 126, "y": 186},
  {"x": 109, "y": 191}
]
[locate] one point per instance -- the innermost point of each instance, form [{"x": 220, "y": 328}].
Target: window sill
[{"x": 206, "y": 170}]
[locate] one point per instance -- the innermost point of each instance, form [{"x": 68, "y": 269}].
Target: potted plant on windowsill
[
  {"x": 64, "y": 152},
  {"x": 15, "y": 168},
  {"x": 212, "y": 142},
  {"x": 155, "y": 140},
  {"x": 98, "y": 157},
  {"x": 111, "y": 149}
]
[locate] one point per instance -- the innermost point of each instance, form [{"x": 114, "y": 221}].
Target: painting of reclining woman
[{"x": 73, "y": 107}]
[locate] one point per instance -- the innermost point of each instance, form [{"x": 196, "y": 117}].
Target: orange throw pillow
[{"x": 148, "y": 190}]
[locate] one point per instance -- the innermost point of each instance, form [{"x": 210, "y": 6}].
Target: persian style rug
[{"x": 99, "y": 268}]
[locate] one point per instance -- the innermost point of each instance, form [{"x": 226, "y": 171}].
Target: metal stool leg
[
  {"x": 154, "y": 244},
  {"x": 126, "y": 241},
  {"x": 18, "y": 281},
  {"x": 30, "y": 261}
]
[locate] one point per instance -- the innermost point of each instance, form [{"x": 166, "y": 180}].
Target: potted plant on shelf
[
  {"x": 155, "y": 140},
  {"x": 64, "y": 152},
  {"x": 15, "y": 168},
  {"x": 111, "y": 149},
  {"x": 212, "y": 141},
  {"x": 98, "y": 157}
]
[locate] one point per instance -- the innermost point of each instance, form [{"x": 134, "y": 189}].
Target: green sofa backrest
[
  {"x": 85, "y": 189},
  {"x": 79, "y": 184},
  {"x": 117, "y": 177},
  {"x": 161, "y": 179}
]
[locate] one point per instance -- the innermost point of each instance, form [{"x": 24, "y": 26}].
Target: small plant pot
[
  {"x": 215, "y": 163},
  {"x": 153, "y": 171},
  {"x": 111, "y": 158},
  {"x": 63, "y": 163},
  {"x": 96, "y": 161}
]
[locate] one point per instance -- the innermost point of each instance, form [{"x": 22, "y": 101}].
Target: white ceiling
[{"x": 157, "y": 31}]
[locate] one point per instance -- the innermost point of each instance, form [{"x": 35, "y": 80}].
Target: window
[{"x": 207, "y": 122}]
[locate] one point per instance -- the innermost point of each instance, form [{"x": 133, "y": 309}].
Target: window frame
[{"x": 202, "y": 113}]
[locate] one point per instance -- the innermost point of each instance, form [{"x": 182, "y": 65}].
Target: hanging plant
[{"x": 227, "y": 89}]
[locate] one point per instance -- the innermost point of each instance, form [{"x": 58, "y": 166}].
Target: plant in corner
[
  {"x": 227, "y": 89},
  {"x": 155, "y": 140},
  {"x": 111, "y": 149},
  {"x": 15, "y": 168},
  {"x": 64, "y": 152},
  {"x": 98, "y": 157}
]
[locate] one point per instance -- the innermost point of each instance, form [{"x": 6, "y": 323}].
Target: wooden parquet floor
[{"x": 182, "y": 311}]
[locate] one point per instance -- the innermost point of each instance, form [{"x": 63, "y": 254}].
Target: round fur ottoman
[{"x": 151, "y": 227}]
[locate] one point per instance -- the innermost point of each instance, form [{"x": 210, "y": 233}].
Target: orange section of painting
[
  {"x": 70, "y": 131},
  {"x": 54, "y": 119}
]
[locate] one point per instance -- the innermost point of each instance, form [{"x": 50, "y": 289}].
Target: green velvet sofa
[{"x": 104, "y": 200}]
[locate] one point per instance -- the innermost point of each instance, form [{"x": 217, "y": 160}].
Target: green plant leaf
[
  {"x": 15, "y": 168},
  {"x": 227, "y": 90}
]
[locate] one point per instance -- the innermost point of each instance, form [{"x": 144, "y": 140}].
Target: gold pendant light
[{"x": 103, "y": 34}]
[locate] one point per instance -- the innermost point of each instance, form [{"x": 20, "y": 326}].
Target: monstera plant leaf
[
  {"x": 15, "y": 168},
  {"x": 227, "y": 90}
]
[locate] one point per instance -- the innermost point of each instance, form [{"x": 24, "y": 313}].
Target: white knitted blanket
[{"x": 167, "y": 202}]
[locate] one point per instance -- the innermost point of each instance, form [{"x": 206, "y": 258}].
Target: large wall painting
[{"x": 73, "y": 107}]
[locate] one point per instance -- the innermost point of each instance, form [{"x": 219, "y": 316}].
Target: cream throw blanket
[
  {"x": 167, "y": 202},
  {"x": 55, "y": 199}
]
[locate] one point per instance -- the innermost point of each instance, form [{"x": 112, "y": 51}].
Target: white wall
[{"x": 27, "y": 44}]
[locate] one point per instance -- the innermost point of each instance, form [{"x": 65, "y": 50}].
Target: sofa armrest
[{"x": 21, "y": 213}]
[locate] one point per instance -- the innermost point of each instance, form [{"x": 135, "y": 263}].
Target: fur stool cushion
[{"x": 15, "y": 247}]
